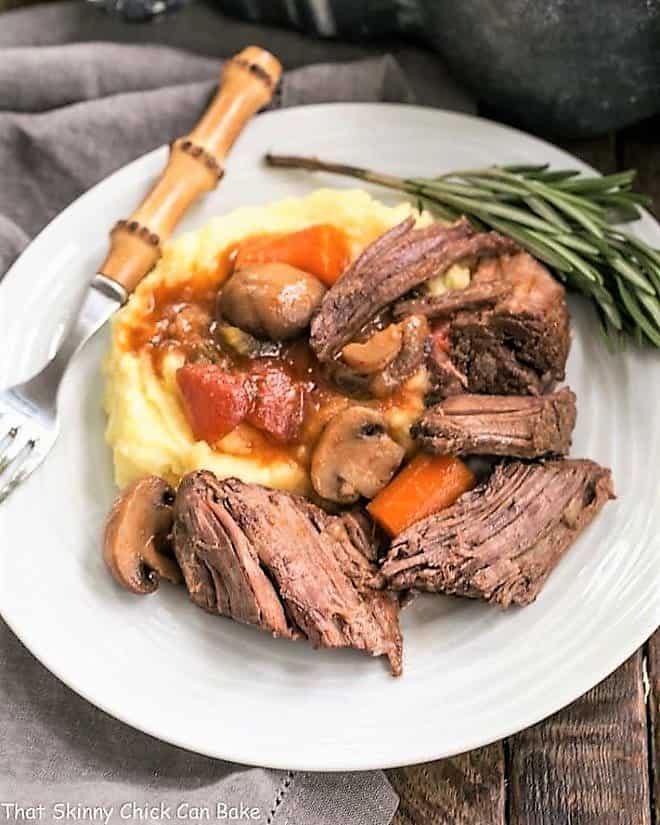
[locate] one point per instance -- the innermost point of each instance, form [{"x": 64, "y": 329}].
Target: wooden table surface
[{"x": 597, "y": 762}]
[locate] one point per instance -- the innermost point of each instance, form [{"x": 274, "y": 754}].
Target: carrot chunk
[
  {"x": 427, "y": 484},
  {"x": 321, "y": 250},
  {"x": 214, "y": 401}
]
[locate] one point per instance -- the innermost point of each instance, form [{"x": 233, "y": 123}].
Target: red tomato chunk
[
  {"x": 216, "y": 401},
  {"x": 278, "y": 405}
]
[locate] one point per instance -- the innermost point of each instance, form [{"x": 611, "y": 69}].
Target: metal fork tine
[
  {"x": 21, "y": 466},
  {"x": 5, "y": 448}
]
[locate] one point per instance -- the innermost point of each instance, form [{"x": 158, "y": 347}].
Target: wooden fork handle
[{"x": 194, "y": 167}]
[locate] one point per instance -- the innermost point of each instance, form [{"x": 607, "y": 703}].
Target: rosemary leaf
[
  {"x": 652, "y": 306},
  {"x": 445, "y": 213},
  {"x": 595, "y": 184},
  {"x": 625, "y": 199},
  {"x": 544, "y": 210},
  {"x": 532, "y": 243},
  {"x": 522, "y": 169},
  {"x": 627, "y": 271},
  {"x": 578, "y": 263},
  {"x": 577, "y": 242},
  {"x": 496, "y": 185},
  {"x": 640, "y": 246},
  {"x": 622, "y": 214},
  {"x": 652, "y": 272},
  {"x": 631, "y": 305},
  {"x": 430, "y": 188},
  {"x": 485, "y": 209},
  {"x": 581, "y": 204},
  {"x": 573, "y": 210},
  {"x": 555, "y": 176},
  {"x": 562, "y": 217},
  {"x": 606, "y": 303}
]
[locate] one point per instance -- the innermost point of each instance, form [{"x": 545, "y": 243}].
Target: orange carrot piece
[
  {"x": 427, "y": 484},
  {"x": 321, "y": 250}
]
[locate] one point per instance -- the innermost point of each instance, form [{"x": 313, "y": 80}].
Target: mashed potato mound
[{"x": 147, "y": 429}]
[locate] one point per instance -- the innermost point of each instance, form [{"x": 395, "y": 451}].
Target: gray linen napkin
[{"x": 70, "y": 113}]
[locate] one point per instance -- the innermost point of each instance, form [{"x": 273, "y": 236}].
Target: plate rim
[{"x": 237, "y": 754}]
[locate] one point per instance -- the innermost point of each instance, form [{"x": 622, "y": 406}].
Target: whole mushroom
[
  {"x": 354, "y": 456},
  {"x": 136, "y": 540},
  {"x": 274, "y": 301}
]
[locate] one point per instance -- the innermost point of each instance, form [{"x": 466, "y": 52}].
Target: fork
[{"x": 29, "y": 419}]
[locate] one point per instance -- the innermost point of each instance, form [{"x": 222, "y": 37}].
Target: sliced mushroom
[
  {"x": 272, "y": 300},
  {"x": 414, "y": 338},
  {"x": 354, "y": 456},
  {"x": 376, "y": 353},
  {"x": 376, "y": 367},
  {"x": 136, "y": 541}
]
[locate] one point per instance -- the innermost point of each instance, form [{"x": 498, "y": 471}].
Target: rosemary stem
[
  {"x": 315, "y": 165},
  {"x": 558, "y": 215}
]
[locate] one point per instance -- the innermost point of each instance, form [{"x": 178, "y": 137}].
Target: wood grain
[
  {"x": 640, "y": 149},
  {"x": 587, "y": 764},
  {"x": 653, "y": 702},
  {"x": 194, "y": 167},
  {"x": 465, "y": 790}
]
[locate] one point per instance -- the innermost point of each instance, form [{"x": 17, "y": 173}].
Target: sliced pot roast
[
  {"x": 520, "y": 345},
  {"x": 502, "y": 540},
  {"x": 397, "y": 262},
  {"x": 523, "y": 426},
  {"x": 276, "y": 561}
]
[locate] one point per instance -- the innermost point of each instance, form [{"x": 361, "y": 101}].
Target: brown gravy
[{"x": 179, "y": 318}]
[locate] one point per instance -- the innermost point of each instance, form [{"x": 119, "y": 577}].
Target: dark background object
[
  {"x": 568, "y": 68},
  {"x": 139, "y": 11}
]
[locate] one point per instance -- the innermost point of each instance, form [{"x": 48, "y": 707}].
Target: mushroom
[
  {"x": 378, "y": 366},
  {"x": 136, "y": 541},
  {"x": 414, "y": 337},
  {"x": 271, "y": 300},
  {"x": 354, "y": 456},
  {"x": 376, "y": 353}
]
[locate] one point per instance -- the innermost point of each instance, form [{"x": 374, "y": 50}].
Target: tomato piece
[
  {"x": 214, "y": 401},
  {"x": 278, "y": 404},
  {"x": 321, "y": 250}
]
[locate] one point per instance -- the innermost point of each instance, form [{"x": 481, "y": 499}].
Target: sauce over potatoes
[
  {"x": 174, "y": 337},
  {"x": 267, "y": 396}
]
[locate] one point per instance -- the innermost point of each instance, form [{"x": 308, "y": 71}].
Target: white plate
[{"x": 472, "y": 674}]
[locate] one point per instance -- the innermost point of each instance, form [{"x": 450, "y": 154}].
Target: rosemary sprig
[{"x": 564, "y": 218}]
